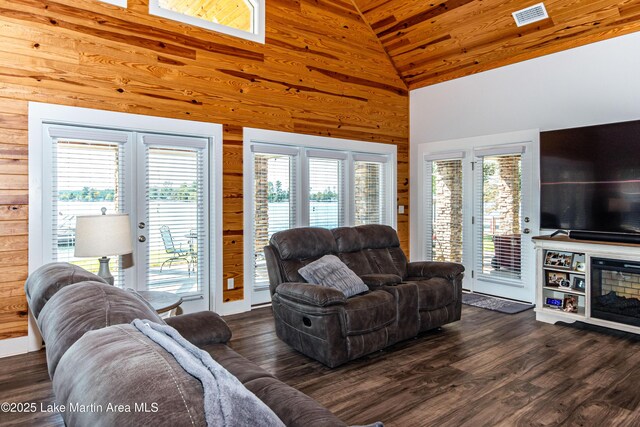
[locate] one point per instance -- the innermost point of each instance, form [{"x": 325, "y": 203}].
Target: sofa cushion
[
  {"x": 290, "y": 268},
  {"x": 381, "y": 262},
  {"x": 376, "y": 280},
  {"x": 435, "y": 293},
  {"x": 119, "y": 365},
  {"x": 85, "y": 306},
  {"x": 331, "y": 272},
  {"x": 347, "y": 239},
  {"x": 48, "y": 279},
  {"x": 357, "y": 262},
  {"x": 293, "y": 407},
  {"x": 368, "y": 313},
  {"x": 376, "y": 236},
  {"x": 303, "y": 243}
]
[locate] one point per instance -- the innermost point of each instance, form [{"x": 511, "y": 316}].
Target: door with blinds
[
  {"x": 477, "y": 211},
  {"x": 87, "y": 172},
  {"x": 444, "y": 210},
  {"x": 502, "y": 222},
  {"x": 274, "y": 207},
  {"x": 172, "y": 216}
]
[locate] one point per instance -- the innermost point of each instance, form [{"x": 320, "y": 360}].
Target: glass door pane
[
  {"x": 326, "y": 192},
  {"x": 444, "y": 215},
  {"x": 500, "y": 254},
  {"x": 274, "y": 210},
  {"x": 87, "y": 176},
  {"x": 369, "y": 193},
  {"x": 174, "y": 212}
]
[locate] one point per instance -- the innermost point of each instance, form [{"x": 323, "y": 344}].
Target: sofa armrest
[
  {"x": 428, "y": 269},
  {"x": 374, "y": 281},
  {"x": 202, "y": 328},
  {"x": 317, "y": 295}
]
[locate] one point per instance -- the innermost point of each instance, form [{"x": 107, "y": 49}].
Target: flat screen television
[{"x": 590, "y": 179}]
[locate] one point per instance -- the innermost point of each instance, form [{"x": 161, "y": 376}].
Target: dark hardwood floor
[{"x": 487, "y": 369}]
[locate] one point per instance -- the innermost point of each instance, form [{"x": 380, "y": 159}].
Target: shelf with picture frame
[
  {"x": 571, "y": 261},
  {"x": 552, "y": 255},
  {"x": 563, "y": 283}
]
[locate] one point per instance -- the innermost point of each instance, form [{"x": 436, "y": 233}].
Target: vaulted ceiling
[{"x": 431, "y": 42}]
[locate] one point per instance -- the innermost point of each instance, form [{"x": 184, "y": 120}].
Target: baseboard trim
[
  {"x": 14, "y": 346},
  {"x": 234, "y": 307}
]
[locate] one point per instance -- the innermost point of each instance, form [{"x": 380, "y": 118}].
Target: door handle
[{"x": 142, "y": 239}]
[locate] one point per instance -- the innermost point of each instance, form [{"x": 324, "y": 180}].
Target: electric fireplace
[{"x": 615, "y": 290}]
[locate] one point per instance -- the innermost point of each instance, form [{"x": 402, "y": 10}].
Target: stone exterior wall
[
  {"x": 261, "y": 202},
  {"x": 508, "y": 199},
  {"x": 447, "y": 220},
  {"x": 627, "y": 285},
  {"x": 367, "y": 193}
]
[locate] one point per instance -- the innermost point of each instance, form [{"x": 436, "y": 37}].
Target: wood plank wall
[{"x": 322, "y": 71}]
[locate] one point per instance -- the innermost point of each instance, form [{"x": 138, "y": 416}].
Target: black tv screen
[{"x": 590, "y": 178}]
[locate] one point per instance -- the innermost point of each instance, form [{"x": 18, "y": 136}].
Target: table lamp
[{"x": 102, "y": 236}]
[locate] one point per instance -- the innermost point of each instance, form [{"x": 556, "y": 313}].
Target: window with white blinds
[
  {"x": 326, "y": 191},
  {"x": 274, "y": 203},
  {"x": 443, "y": 211},
  {"x": 87, "y": 173},
  {"x": 175, "y": 212},
  {"x": 298, "y": 186},
  {"x": 370, "y": 188}
]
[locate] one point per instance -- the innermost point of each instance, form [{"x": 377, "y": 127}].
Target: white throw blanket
[{"x": 227, "y": 403}]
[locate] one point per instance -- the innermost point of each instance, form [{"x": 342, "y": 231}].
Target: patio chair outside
[{"x": 176, "y": 253}]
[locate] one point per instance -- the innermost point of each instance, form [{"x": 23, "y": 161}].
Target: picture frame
[
  {"x": 554, "y": 278},
  {"x": 578, "y": 263},
  {"x": 558, "y": 259},
  {"x": 578, "y": 282},
  {"x": 570, "y": 304}
]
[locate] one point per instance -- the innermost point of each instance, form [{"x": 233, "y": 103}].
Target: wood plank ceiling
[{"x": 430, "y": 42}]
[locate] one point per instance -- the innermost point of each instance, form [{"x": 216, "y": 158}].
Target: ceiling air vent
[{"x": 534, "y": 13}]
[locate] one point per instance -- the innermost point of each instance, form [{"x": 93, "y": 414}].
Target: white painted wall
[{"x": 593, "y": 84}]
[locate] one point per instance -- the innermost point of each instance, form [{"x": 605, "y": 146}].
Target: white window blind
[
  {"x": 498, "y": 210},
  {"x": 326, "y": 191},
  {"x": 443, "y": 220},
  {"x": 87, "y": 174},
  {"x": 369, "y": 186},
  {"x": 175, "y": 211},
  {"x": 274, "y": 204}
]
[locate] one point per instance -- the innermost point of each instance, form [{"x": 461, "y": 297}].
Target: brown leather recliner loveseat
[{"x": 404, "y": 298}]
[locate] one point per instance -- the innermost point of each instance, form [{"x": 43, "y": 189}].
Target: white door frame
[{"x": 532, "y": 137}]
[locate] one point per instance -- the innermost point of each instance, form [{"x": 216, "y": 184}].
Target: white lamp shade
[{"x": 103, "y": 235}]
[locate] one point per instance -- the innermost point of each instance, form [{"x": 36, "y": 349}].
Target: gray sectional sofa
[
  {"x": 97, "y": 359},
  {"x": 404, "y": 298}
]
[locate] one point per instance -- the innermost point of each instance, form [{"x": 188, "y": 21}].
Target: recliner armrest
[
  {"x": 306, "y": 293},
  {"x": 428, "y": 269},
  {"x": 202, "y": 328}
]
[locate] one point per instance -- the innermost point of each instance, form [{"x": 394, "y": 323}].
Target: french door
[
  {"x": 478, "y": 211},
  {"x": 502, "y": 222},
  {"x": 161, "y": 181},
  {"x": 171, "y": 216}
]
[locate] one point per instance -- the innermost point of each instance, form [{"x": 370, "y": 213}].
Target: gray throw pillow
[{"x": 331, "y": 272}]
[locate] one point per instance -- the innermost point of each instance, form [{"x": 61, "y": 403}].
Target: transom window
[{"x": 240, "y": 18}]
